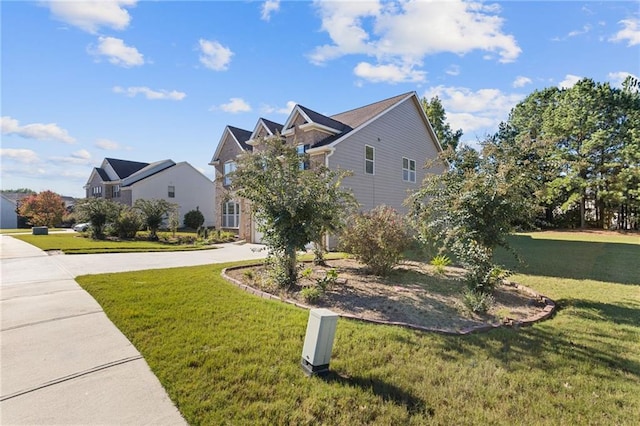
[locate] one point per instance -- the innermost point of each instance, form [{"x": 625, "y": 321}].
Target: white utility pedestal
[{"x": 318, "y": 343}]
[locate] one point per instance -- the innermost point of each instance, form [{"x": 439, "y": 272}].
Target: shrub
[
  {"x": 194, "y": 219},
  {"x": 328, "y": 280},
  {"x": 128, "y": 223},
  {"x": 377, "y": 239},
  {"x": 306, "y": 273},
  {"x": 311, "y": 294},
  {"x": 478, "y": 301},
  {"x": 440, "y": 262}
]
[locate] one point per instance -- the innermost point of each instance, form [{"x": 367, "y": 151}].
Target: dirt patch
[{"x": 413, "y": 294}]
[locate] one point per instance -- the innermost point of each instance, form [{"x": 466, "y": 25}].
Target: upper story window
[
  {"x": 408, "y": 170},
  {"x": 302, "y": 150},
  {"x": 172, "y": 191},
  {"x": 369, "y": 159},
  {"x": 229, "y": 167}
]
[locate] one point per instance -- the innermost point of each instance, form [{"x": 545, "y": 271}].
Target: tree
[
  {"x": 99, "y": 212},
  {"x": 127, "y": 222},
  {"x": 470, "y": 209},
  {"x": 292, "y": 206},
  {"x": 438, "y": 119},
  {"x": 194, "y": 219},
  {"x": 154, "y": 212},
  {"x": 43, "y": 209}
]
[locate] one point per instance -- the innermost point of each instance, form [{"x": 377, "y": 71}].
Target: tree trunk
[{"x": 582, "y": 212}]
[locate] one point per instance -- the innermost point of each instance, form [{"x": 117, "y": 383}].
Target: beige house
[
  {"x": 385, "y": 145},
  {"x": 125, "y": 181}
]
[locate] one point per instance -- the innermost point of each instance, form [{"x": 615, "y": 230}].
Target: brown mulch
[{"x": 412, "y": 294}]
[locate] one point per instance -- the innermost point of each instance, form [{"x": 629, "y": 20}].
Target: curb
[{"x": 548, "y": 310}]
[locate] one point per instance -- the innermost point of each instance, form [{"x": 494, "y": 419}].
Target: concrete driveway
[{"x": 62, "y": 360}]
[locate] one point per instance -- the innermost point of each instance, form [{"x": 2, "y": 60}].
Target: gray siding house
[{"x": 385, "y": 144}]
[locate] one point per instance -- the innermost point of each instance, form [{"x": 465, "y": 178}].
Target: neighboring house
[
  {"x": 126, "y": 181},
  {"x": 384, "y": 144},
  {"x": 9, "y": 216}
]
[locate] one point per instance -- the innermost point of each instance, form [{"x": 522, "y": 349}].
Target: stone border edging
[{"x": 548, "y": 310}]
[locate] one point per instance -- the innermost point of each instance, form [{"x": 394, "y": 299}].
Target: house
[
  {"x": 9, "y": 216},
  {"x": 385, "y": 145},
  {"x": 126, "y": 181}
]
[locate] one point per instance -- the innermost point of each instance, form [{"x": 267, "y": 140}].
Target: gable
[
  {"x": 233, "y": 140},
  {"x": 124, "y": 168}
]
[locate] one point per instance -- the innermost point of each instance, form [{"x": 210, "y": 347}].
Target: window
[
  {"x": 408, "y": 170},
  {"x": 230, "y": 215},
  {"x": 229, "y": 168},
  {"x": 97, "y": 191},
  {"x": 172, "y": 191},
  {"x": 302, "y": 150},
  {"x": 115, "y": 191},
  {"x": 369, "y": 159}
]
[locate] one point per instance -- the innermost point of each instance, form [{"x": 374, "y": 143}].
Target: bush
[
  {"x": 440, "y": 262},
  {"x": 128, "y": 223},
  {"x": 377, "y": 239},
  {"x": 194, "y": 219},
  {"x": 478, "y": 301},
  {"x": 311, "y": 294}
]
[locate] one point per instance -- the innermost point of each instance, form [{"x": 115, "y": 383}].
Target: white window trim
[
  {"x": 373, "y": 161},
  {"x": 235, "y": 215},
  {"x": 408, "y": 170},
  {"x": 226, "y": 180}
]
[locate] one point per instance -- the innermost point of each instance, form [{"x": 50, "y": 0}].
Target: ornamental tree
[
  {"x": 292, "y": 205},
  {"x": 153, "y": 213},
  {"x": 43, "y": 209}
]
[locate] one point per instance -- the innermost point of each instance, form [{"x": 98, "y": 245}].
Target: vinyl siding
[{"x": 397, "y": 134}]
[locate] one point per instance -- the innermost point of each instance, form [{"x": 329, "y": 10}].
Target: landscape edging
[{"x": 547, "y": 312}]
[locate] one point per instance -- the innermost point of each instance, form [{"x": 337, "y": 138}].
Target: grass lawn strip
[{"x": 226, "y": 357}]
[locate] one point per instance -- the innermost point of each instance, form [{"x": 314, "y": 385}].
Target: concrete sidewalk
[{"x": 62, "y": 360}]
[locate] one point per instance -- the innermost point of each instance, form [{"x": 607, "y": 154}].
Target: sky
[{"x": 153, "y": 80}]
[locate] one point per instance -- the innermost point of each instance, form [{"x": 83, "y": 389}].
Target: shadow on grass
[
  {"x": 608, "y": 262},
  {"x": 386, "y": 391},
  {"x": 597, "y": 311}
]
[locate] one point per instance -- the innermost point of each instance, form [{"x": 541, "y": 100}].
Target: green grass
[
  {"x": 226, "y": 357},
  {"x": 25, "y": 230},
  {"x": 72, "y": 243}
]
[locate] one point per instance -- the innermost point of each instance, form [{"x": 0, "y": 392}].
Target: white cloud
[
  {"x": 25, "y": 156},
  {"x": 90, "y": 15},
  {"x": 389, "y": 73},
  {"x": 109, "y": 145},
  {"x": 630, "y": 32},
  {"x": 40, "y": 131},
  {"x": 407, "y": 31},
  {"x": 286, "y": 110},
  {"x": 475, "y": 111},
  {"x": 214, "y": 55},
  {"x": 151, "y": 94},
  {"x": 585, "y": 29},
  {"x": 81, "y": 158},
  {"x": 235, "y": 105},
  {"x": 453, "y": 70},
  {"x": 269, "y": 7},
  {"x": 569, "y": 81},
  {"x": 617, "y": 78},
  {"x": 117, "y": 52},
  {"x": 521, "y": 81}
]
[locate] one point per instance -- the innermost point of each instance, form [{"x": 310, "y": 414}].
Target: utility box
[
  {"x": 318, "y": 343},
  {"x": 40, "y": 230}
]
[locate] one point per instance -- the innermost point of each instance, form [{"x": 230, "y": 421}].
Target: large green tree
[
  {"x": 580, "y": 145},
  {"x": 292, "y": 205},
  {"x": 438, "y": 118},
  {"x": 98, "y": 212}
]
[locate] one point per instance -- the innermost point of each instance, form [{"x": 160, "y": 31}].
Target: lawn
[
  {"x": 226, "y": 357},
  {"x": 74, "y": 243}
]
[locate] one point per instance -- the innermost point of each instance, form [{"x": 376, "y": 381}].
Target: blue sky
[{"x": 152, "y": 80}]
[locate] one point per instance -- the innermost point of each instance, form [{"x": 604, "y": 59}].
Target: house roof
[
  {"x": 103, "y": 174},
  {"x": 148, "y": 171},
  {"x": 242, "y": 136},
  {"x": 272, "y": 126},
  {"x": 358, "y": 116},
  {"x": 323, "y": 120},
  {"x": 124, "y": 168}
]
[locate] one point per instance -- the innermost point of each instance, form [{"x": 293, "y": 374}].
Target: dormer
[
  {"x": 264, "y": 128},
  {"x": 307, "y": 120}
]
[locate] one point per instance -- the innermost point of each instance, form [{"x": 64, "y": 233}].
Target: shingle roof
[
  {"x": 272, "y": 126},
  {"x": 316, "y": 117},
  {"x": 103, "y": 174},
  {"x": 242, "y": 136},
  {"x": 355, "y": 118},
  {"x": 125, "y": 168}
]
